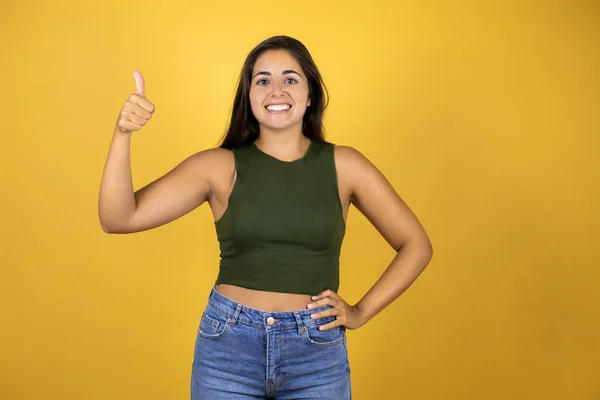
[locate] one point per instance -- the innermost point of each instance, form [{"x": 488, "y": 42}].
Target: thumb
[{"x": 139, "y": 83}]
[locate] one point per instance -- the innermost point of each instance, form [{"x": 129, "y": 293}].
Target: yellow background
[{"x": 483, "y": 115}]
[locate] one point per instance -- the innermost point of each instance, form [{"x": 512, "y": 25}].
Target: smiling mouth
[{"x": 280, "y": 109}]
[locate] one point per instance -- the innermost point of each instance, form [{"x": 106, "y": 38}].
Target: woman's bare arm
[
  {"x": 376, "y": 199},
  {"x": 185, "y": 187}
]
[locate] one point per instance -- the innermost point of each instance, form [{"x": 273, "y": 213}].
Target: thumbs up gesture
[{"x": 137, "y": 110}]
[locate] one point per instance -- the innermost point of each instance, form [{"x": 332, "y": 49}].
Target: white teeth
[{"x": 278, "y": 108}]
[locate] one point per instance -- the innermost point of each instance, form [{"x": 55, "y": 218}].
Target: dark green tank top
[{"x": 283, "y": 227}]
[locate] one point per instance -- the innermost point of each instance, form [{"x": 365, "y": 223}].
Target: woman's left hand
[{"x": 345, "y": 314}]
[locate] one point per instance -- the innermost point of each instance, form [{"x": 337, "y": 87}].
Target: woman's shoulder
[
  {"x": 213, "y": 163},
  {"x": 343, "y": 150},
  {"x": 213, "y": 155},
  {"x": 348, "y": 156},
  {"x": 352, "y": 165}
]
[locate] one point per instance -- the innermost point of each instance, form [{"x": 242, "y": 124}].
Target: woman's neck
[{"x": 283, "y": 146}]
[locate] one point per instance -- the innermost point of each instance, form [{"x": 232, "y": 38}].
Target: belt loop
[
  {"x": 301, "y": 327},
  {"x": 236, "y": 314}
]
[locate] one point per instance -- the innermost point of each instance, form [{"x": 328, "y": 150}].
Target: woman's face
[{"x": 278, "y": 79}]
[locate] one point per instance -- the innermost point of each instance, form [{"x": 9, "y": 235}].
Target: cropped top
[{"x": 283, "y": 227}]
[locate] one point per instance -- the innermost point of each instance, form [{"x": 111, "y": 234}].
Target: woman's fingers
[
  {"x": 140, "y": 86},
  {"x": 137, "y": 110}
]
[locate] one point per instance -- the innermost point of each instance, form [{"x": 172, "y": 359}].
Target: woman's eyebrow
[{"x": 286, "y": 71}]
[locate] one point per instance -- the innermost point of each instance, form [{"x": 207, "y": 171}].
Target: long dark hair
[{"x": 243, "y": 127}]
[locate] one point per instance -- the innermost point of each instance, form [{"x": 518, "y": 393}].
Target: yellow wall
[{"x": 484, "y": 116}]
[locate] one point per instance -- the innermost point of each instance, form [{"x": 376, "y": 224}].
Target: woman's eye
[{"x": 258, "y": 82}]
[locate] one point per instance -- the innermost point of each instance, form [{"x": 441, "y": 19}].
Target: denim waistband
[{"x": 237, "y": 312}]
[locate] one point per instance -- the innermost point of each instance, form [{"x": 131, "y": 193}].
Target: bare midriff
[{"x": 262, "y": 300}]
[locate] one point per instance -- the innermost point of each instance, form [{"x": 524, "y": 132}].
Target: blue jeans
[{"x": 246, "y": 353}]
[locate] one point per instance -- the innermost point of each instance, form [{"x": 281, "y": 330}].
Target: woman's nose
[{"x": 276, "y": 88}]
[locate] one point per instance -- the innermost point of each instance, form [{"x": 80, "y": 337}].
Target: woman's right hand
[{"x": 137, "y": 110}]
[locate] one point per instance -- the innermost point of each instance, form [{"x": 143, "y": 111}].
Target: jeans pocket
[
  {"x": 317, "y": 338},
  {"x": 213, "y": 324}
]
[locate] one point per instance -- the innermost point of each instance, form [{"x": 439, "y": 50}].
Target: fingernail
[
  {"x": 314, "y": 297},
  {"x": 310, "y": 306}
]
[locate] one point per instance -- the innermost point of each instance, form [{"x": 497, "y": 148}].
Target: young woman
[{"x": 280, "y": 196}]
